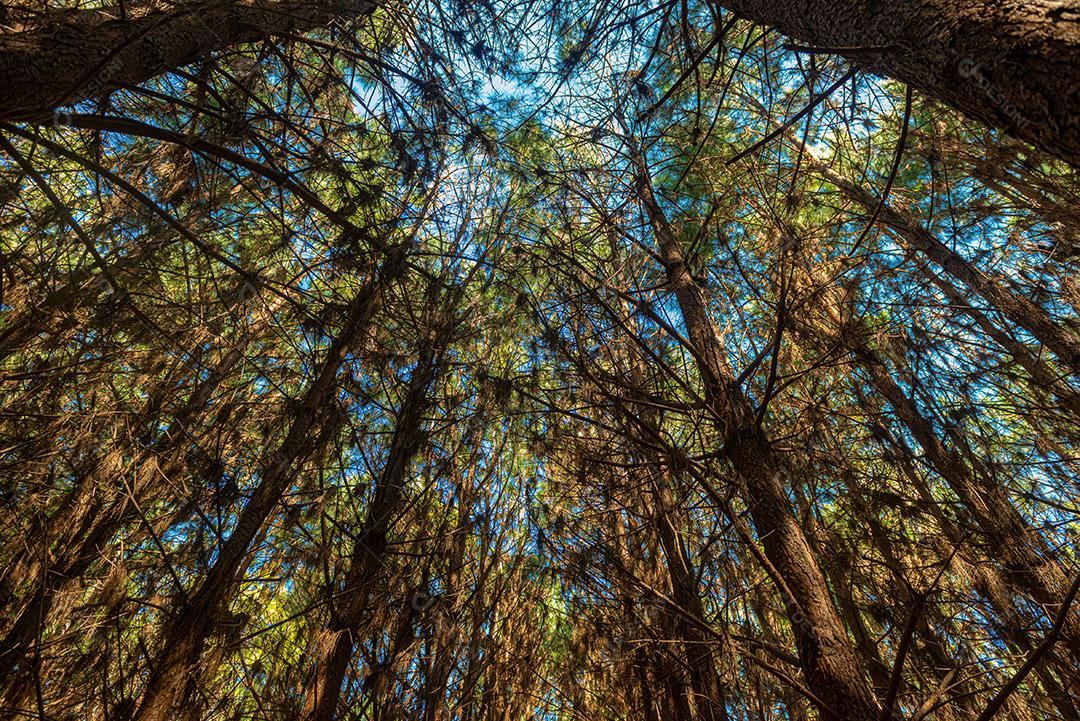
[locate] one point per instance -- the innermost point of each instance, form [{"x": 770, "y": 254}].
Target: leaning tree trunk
[
  {"x": 1012, "y": 64},
  {"x": 987, "y": 581},
  {"x": 1041, "y": 376},
  {"x": 333, "y": 646},
  {"x": 185, "y": 635},
  {"x": 1055, "y": 336},
  {"x": 1011, "y": 541},
  {"x": 829, "y": 663},
  {"x": 82, "y": 55},
  {"x": 1052, "y": 334},
  {"x": 1023, "y": 553}
]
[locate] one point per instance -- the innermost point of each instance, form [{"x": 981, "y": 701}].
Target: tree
[
  {"x": 75, "y": 55},
  {"x": 1007, "y": 65},
  {"x": 561, "y": 360}
]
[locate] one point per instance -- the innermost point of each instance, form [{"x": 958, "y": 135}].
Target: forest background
[{"x": 539, "y": 359}]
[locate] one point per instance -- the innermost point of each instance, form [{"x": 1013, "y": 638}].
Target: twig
[
  {"x": 793, "y": 119},
  {"x": 1033, "y": 659},
  {"x": 892, "y": 173}
]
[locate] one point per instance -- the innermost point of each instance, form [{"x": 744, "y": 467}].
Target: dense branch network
[{"x": 709, "y": 361}]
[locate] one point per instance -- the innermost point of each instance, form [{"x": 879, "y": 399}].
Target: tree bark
[
  {"x": 828, "y": 661},
  {"x": 185, "y": 635},
  {"x": 1011, "y": 64},
  {"x": 85, "y": 55},
  {"x": 335, "y": 642}
]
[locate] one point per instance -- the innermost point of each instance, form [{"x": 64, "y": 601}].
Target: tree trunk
[
  {"x": 1023, "y": 312},
  {"x": 1011, "y": 64},
  {"x": 1042, "y": 376},
  {"x": 446, "y": 640},
  {"x": 1029, "y": 563},
  {"x": 1009, "y": 538},
  {"x": 699, "y": 649},
  {"x": 84, "y": 55},
  {"x": 335, "y": 641},
  {"x": 828, "y": 661},
  {"x": 97, "y": 508},
  {"x": 987, "y": 581},
  {"x": 185, "y": 636},
  {"x": 708, "y": 700}
]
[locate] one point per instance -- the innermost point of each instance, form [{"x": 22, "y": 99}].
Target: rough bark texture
[
  {"x": 185, "y": 637},
  {"x": 1010, "y": 63},
  {"x": 84, "y": 55},
  {"x": 828, "y": 661},
  {"x": 334, "y": 644}
]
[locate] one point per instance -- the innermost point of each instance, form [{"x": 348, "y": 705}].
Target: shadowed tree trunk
[
  {"x": 700, "y": 650},
  {"x": 828, "y": 660},
  {"x": 1054, "y": 336},
  {"x": 1011, "y": 64},
  {"x": 185, "y": 635},
  {"x": 96, "y": 509},
  {"x": 697, "y": 646},
  {"x": 334, "y": 643},
  {"x": 82, "y": 55},
  {"x": 464, "y": 471}
]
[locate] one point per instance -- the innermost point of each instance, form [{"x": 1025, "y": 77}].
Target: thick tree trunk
[
  {"x": 1012, "y": 64},
  {"x": 335, "y": 641},
  {"x": 185, "y": 636},
  {"x": 84, "y": 55},
  {"x": 832, "y": 670}
]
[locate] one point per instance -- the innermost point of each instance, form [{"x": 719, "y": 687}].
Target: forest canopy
[{"x": 675, "y": 360}]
